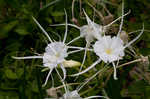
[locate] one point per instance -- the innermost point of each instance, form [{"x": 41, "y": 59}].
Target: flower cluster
[{"x": 108, "y": 49}]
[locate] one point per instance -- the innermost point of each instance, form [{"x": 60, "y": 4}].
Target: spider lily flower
[
  {"x": 109, "y": 49},
  {"x": 55, "y": 53}
]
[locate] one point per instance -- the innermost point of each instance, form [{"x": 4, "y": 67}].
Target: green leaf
[
  {"x": 137, "y": 87},
  {"x": 10, "y": 74},
  {"x": 145, "y": 51},
  {"x": 19, "y": 72},
  {"x": 21, "y": 31},
  {"x": 7, "y": 28},
  {"x": 57, "y": 13},
  {"x": 35, "y": 86}
]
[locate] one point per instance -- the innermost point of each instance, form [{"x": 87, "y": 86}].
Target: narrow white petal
[
  {"x": 86, "y": 70},
  {"x": 65, "y": 24},
  {"x": 65, "y": 36},
  {"x": 42, "y": 29},
  {"x": 87, "y": 18},
  {"x": 65, "y": 87},
  {"x": 115, "y": 72},
  {"x": 120, "y": 28},
  {"x": 74, "y": 40},
  {"x": 64, "y": 71},
  {"x": 52, "y": 80},
  {"x": 135, "y": 38},
  {"x": 27, "y": 57},
  {"x": 116, "y": 20},
  {"x": 75, "y": 51},
  {"x": 50, "y": 71},
  {"x": 90, "y": 97},
  {"x": 80, "y": 48},
  {"x": 82, "y": 85},
  {"x": 85, "y": 52}
]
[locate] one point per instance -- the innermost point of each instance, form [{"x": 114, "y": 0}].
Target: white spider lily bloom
[
  {"x": 109, "y": 49},
  {"x": 51, "y": 58},
  {"x": 91, "y": 30},
  {"x": 55, "y": 53}
]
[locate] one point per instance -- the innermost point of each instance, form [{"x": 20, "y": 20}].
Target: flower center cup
[{"x": 108, "y": 51}]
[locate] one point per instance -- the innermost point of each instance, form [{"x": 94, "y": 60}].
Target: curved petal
[
  {"x": 67, "y": 24},
  {"x": 47, "y": 77},
  {"x": 115, "y": 71},
  {"x": 65, "y": 36},
  {"x": 42, "y": 29},
  {"x": 90, "y": 97},
  {"x": 27, "y": 57},
  {"x": 127, "y": 45},
  {"x": 90, "y": 67},
  {"x": 64, "y": 71}
]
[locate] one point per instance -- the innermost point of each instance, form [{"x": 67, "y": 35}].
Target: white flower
[
  {"x": 53, "y": 58},
  {"x": 91, "y": 31},
  {"x": 55, "y": 53},
  {"x": 109, "y": 49}
]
